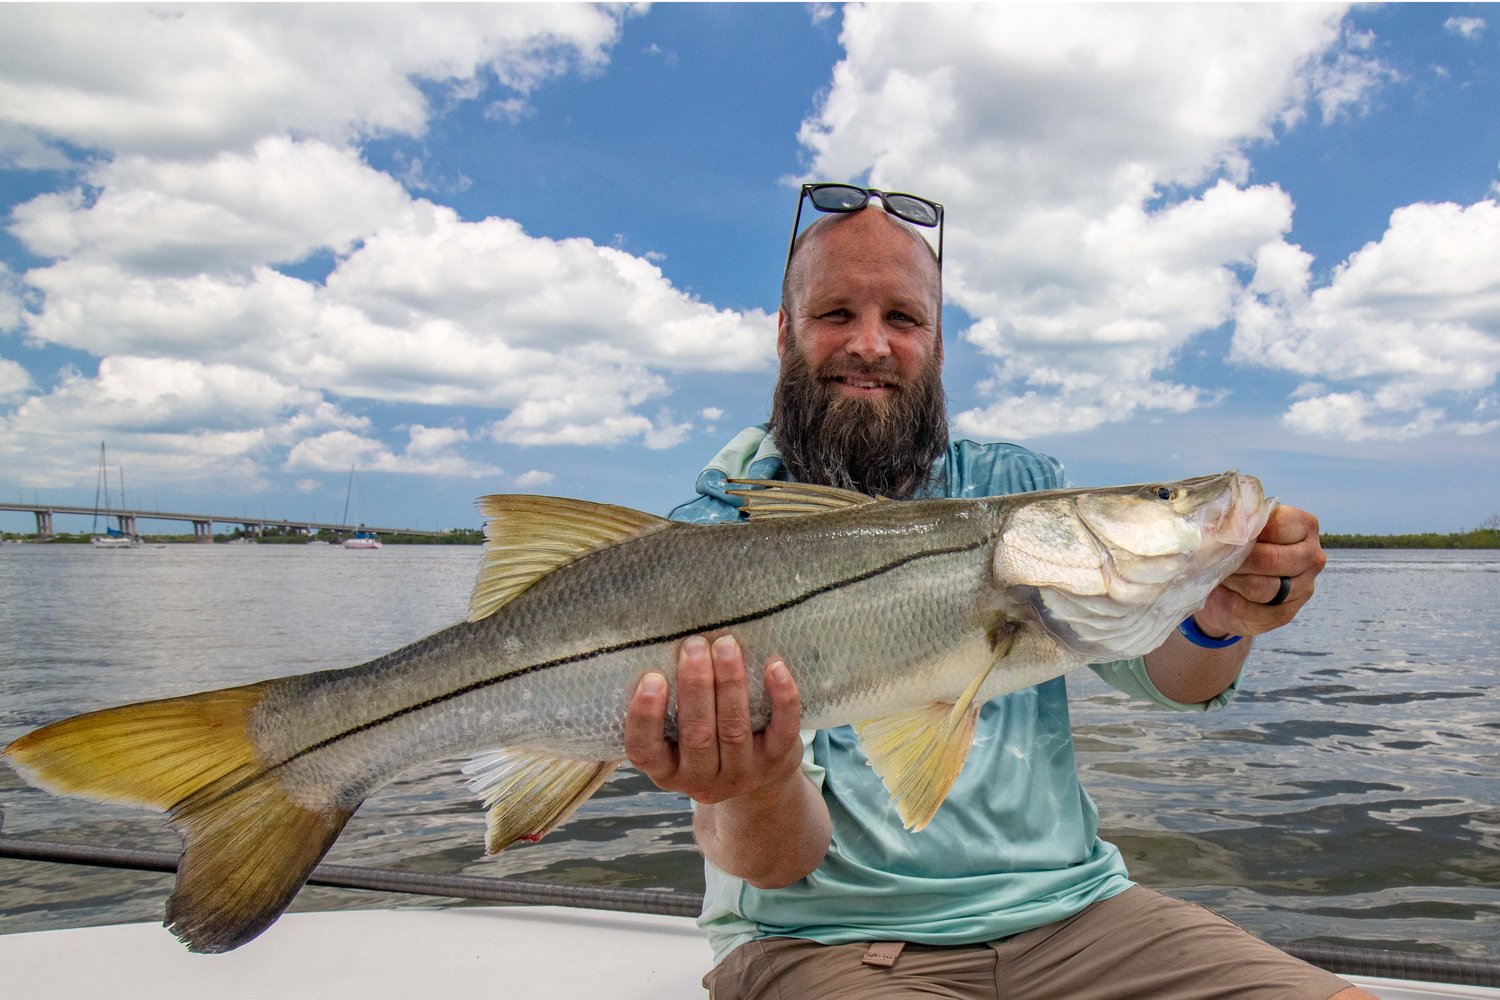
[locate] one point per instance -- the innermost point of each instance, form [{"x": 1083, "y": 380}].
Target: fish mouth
[{"x": 1236, "y": 516}]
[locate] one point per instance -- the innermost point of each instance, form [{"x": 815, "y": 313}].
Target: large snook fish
[{"x": 902, "y": 618}]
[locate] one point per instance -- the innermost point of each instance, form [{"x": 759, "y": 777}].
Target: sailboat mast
[
  {"x": 99, "y": 483},
  {"x": 348, "y": 494}
]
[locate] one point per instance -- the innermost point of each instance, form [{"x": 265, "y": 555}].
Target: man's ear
[{"x": 783, "y": 332}]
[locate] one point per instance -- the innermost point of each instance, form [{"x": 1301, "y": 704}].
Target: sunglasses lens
[
  {"x": 913, "y": 210},
  {"x": 837, "y": 198}
]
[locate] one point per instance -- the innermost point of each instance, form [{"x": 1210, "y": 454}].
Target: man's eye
[
  {"x": 896, "y": 316},
  {"x": 837, "y": 315}
]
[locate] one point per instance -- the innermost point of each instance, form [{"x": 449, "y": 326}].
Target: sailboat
[
  {"x": 361, "y": 539},
  {"x": 113, "y": 538}
]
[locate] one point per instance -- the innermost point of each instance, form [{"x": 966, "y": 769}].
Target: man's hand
[
  {"x": 716, "y": 757},
  {"x": 1288, "y": 546},
  {"x": 758, "y": 816}
]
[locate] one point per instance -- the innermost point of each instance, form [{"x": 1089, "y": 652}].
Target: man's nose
[{"x": 868, "y": 340}]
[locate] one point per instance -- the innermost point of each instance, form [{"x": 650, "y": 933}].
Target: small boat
[
  {"x": 362, "y": 540},
  {"x": 112, "y": 538}
]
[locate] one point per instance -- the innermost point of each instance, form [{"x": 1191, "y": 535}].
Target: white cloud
[
  {"x": 533, "y": 478},
  {"x": 274, "y": 204},
  {"x": 15, "y": 381},
  {"x": 204, "y": 78},
  {"x": 1470, "y": 27},
  {"x": 429, "y": 451},
  {"x": 168, "y": 251},
  {"x": 179, "y": 422},
  {"x": 1092, "y": 161},
  {"x": 1413, "y": 319}
]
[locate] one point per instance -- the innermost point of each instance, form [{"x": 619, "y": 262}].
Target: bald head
[{"x": 871, "y": 235}]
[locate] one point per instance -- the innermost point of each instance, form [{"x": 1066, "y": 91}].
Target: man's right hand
[
  {"x": 716, "y": 757},
  {"x": 758, "y": 816}
]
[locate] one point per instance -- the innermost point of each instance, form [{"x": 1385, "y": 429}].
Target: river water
[{"x": 1350, "y": 795}]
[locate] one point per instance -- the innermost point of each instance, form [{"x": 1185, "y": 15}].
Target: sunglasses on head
[{"x": 848, "y": 198}]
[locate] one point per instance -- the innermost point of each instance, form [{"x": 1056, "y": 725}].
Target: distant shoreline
[
  {"x": 459, "y": 536},
  {"x": 1480, "y": 538}
]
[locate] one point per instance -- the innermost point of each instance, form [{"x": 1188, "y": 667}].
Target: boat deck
[{"x": 540, "y": 953}]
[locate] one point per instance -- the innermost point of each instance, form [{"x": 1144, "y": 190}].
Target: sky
[{"x": 481, "y": 249}]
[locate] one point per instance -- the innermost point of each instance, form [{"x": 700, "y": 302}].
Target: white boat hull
[{"x": 541, "y": 953}]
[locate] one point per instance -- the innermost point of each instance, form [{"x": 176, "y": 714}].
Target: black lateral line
[{"x": 617, "y": 648}]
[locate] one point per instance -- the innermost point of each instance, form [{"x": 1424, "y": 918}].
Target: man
[{"x": 814, "y": 888}]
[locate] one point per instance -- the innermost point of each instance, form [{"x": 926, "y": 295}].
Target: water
[{"x": 1348, "y": 796}]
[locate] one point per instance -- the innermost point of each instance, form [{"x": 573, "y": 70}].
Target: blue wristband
[{"x": 1193, "y": 634}]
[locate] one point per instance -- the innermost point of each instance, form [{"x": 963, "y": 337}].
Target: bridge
[{"x": 203, "y": 524}]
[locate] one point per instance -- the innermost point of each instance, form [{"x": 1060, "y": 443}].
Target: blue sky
[{"x": 485, "y": 249}]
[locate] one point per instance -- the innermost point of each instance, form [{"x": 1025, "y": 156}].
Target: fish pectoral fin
[
  {"x": 918, "y": 756},
  {"x": 530, "y": 792},
  {"x": 527, "y": 537},
  {"x": 773, "y": 498}
]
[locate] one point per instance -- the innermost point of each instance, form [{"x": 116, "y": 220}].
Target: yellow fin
[
  {"x": 247, "y": 847},
  {"x": 530, "y": 536},
  {"x": 918, "y": 755},
  {"x": 774, "y": 498},
  {"x": 247, "y": 850},
  {"x": 529, "y": 792},
  {"x": 154, "y": 753}
]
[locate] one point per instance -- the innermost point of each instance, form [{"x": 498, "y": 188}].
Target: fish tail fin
[
  {"x": 247, "y": 846},
  {"x": 247, "y": 850}
]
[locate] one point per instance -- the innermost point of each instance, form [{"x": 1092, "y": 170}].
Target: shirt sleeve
[{"x": 1130, "y": 677}]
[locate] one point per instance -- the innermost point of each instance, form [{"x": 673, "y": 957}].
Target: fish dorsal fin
[
  {"x": 529, "y": 792},
  {"x": 527, "y": 537},
  {"x": 774, "y": 498}
]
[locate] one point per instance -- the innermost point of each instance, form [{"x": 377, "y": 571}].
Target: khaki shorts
[{"x": 1139, "y": 944}]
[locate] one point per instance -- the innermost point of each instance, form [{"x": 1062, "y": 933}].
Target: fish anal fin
[
  {"x": 918, "y": 755},
  {"x": 766, "y": 498},
  {"x": 247, "y": 851},
  {"x": 528, "y": 793},
  {"x": 528, "y": 537}
]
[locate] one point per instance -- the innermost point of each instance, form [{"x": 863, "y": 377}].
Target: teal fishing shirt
[{"x": 1015, "y": 845}]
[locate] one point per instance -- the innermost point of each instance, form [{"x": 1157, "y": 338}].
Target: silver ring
[{"x": 1281, "y": 593}]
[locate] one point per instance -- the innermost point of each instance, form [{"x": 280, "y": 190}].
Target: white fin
[
  {"x": 528, "y": 537},
  {"x": 529, "y": 792},
  {"x": 773, "y": 498}
]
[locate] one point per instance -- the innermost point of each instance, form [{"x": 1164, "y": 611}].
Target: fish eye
[{"x": 1165, "y": 493}]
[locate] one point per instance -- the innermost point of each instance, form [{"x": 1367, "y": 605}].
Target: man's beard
[{"x": 881, "y": 447}]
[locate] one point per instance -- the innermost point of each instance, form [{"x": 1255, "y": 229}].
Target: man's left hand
[{"x": 1288, "y": 546}]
